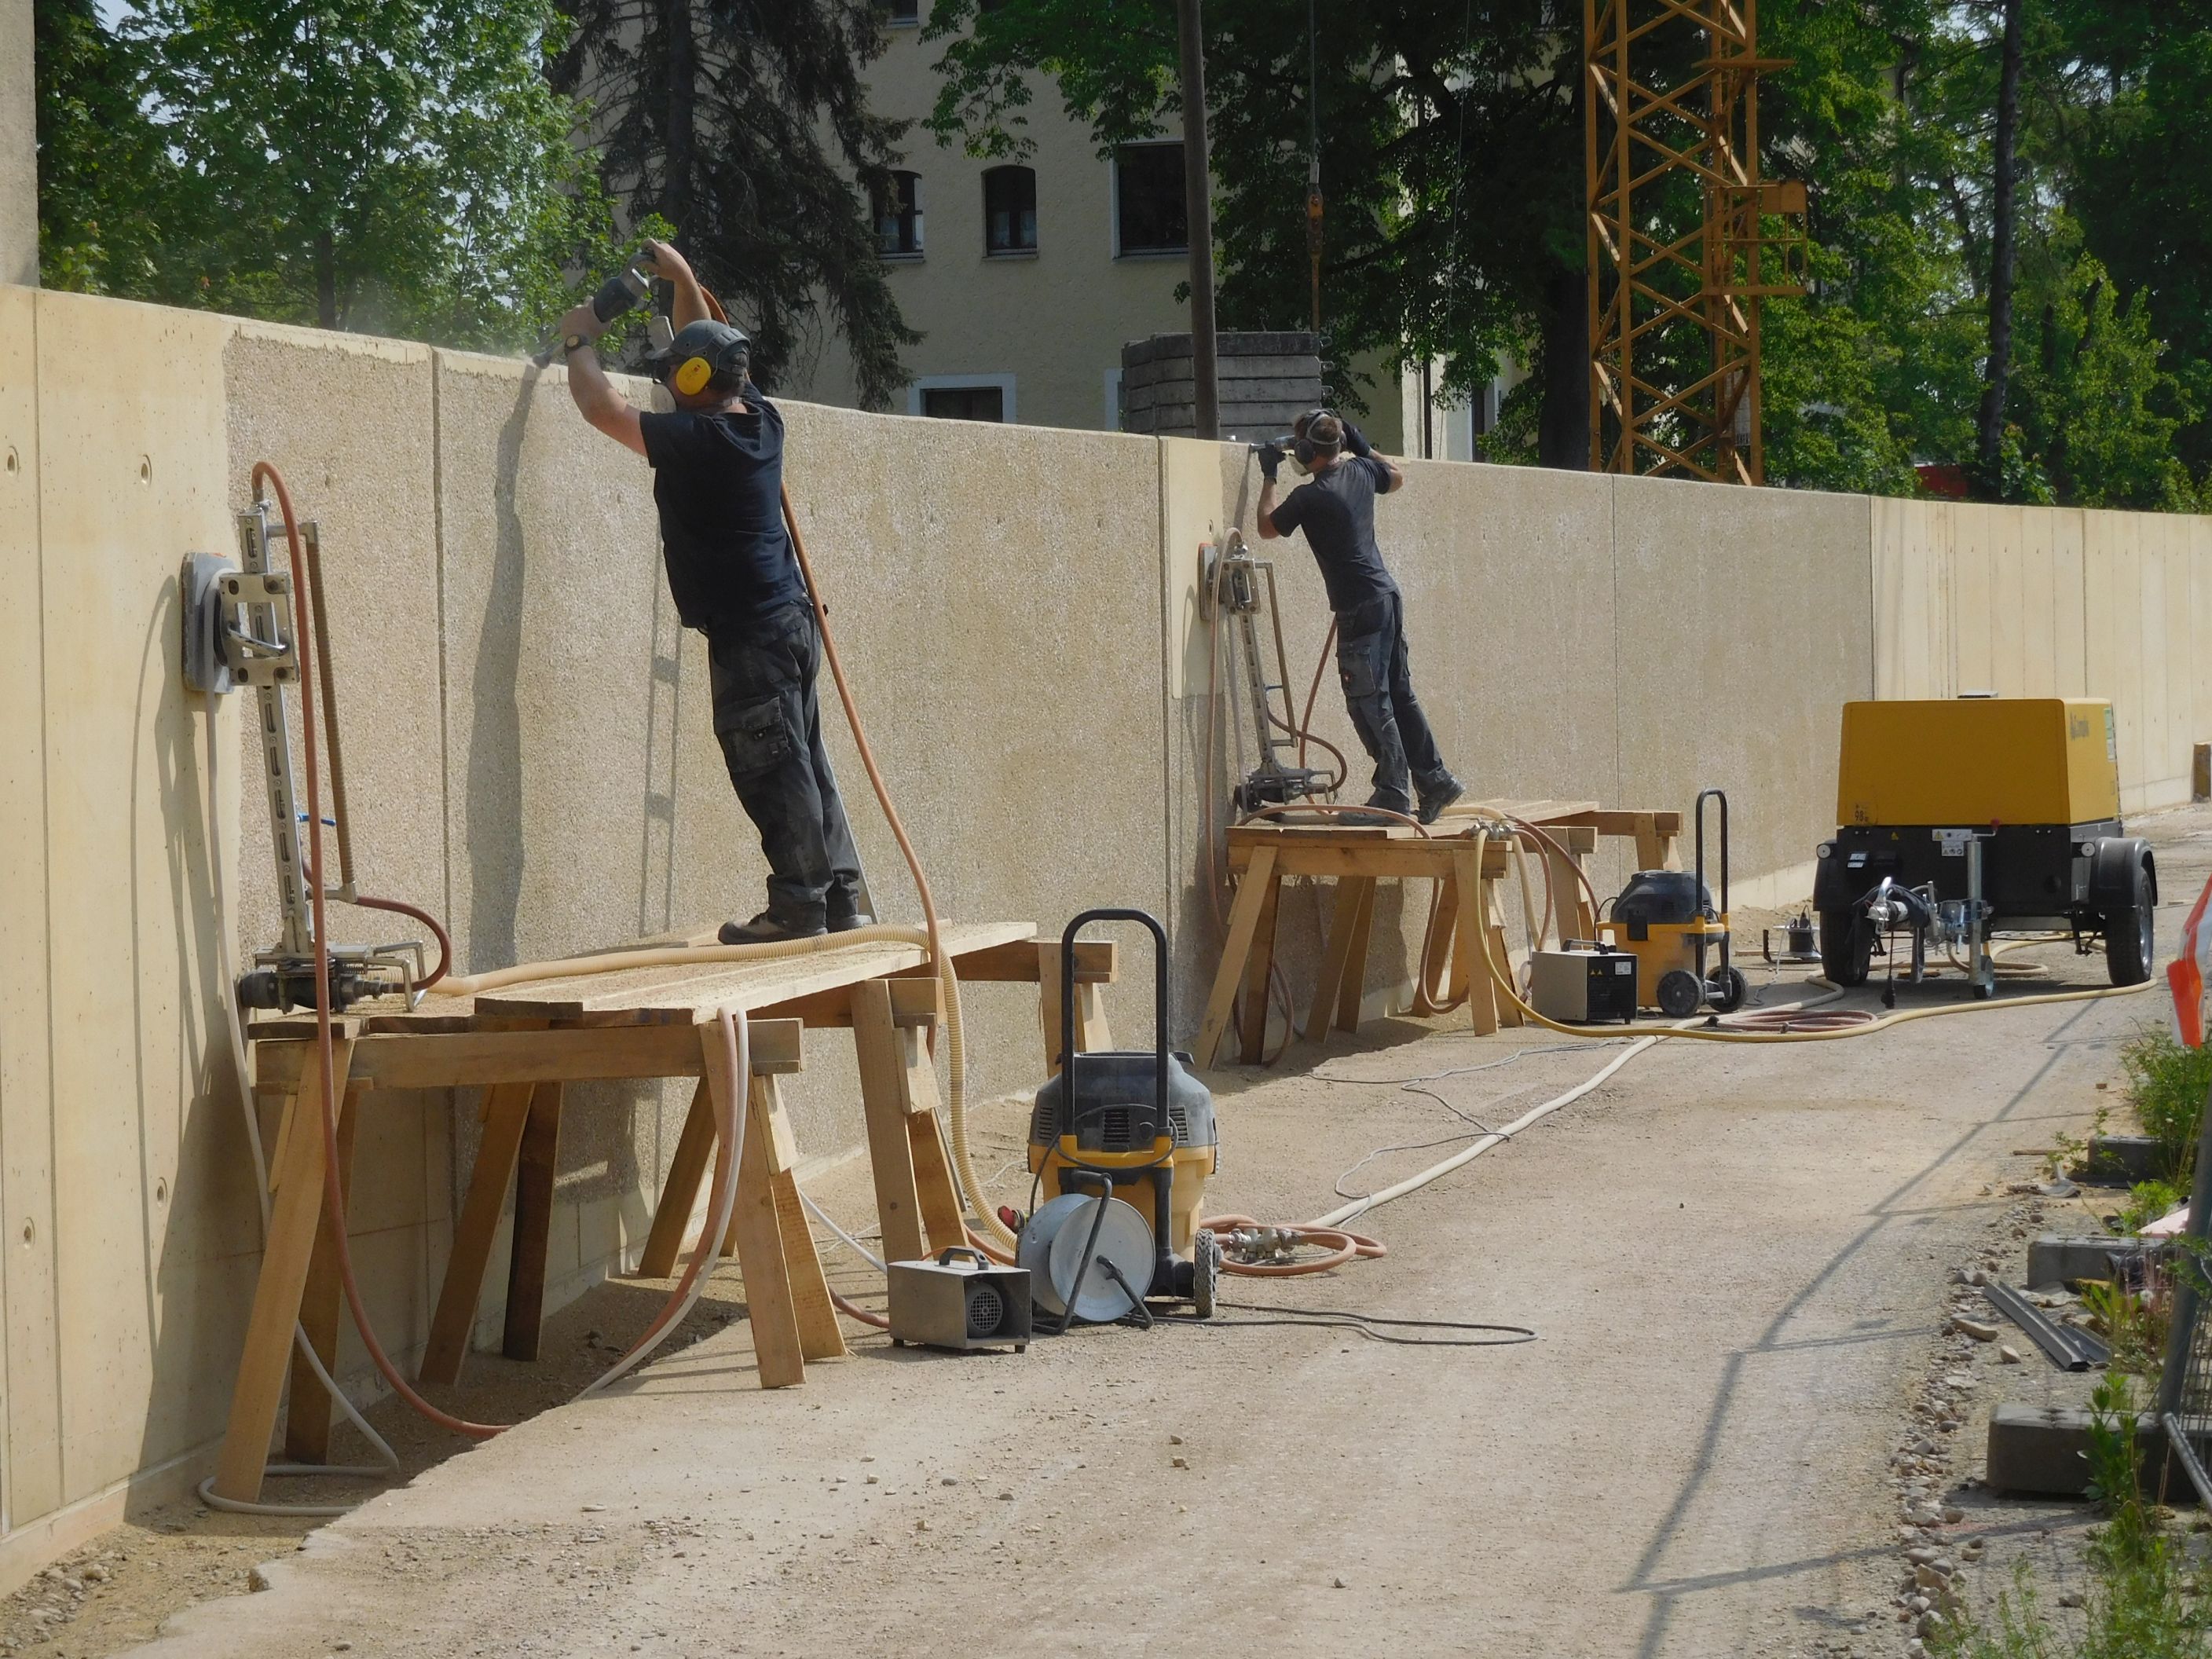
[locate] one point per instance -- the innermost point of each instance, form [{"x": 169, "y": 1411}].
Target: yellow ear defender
[{"x": 691, "y": 375}]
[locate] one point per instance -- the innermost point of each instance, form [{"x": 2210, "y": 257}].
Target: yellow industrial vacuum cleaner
[
  {"x": 1667, "y": 920},
  {"x": 1961, "y": 818},
  {"x": 1114, "y": 1123}
]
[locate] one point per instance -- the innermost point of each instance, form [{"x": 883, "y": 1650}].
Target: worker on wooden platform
[
  {"x": 718, "y": 480},
  {"x": 1336, "y": 509}
]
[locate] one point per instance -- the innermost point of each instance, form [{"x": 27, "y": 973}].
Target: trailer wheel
[
  {"x": 2129, "y": 948},
  {"x": 1846, "y": 947}
]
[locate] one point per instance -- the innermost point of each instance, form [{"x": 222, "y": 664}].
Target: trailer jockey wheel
[
  {"x": 1680, "y": 994},
  {"x": 1726, "y": 990}
]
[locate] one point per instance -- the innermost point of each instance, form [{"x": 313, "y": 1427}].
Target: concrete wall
[
  {"x": 2054, "y": 602},
  {"x": 19, "y": 147},
  {"x": 527, "y": 740}
]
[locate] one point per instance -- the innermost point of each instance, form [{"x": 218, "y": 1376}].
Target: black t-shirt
[
  {"x": 718, "y": 480},
  {"x": 1336, "y": 509}
]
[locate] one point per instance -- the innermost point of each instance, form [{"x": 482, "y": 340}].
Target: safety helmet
[{"x": 704, "y": 356}]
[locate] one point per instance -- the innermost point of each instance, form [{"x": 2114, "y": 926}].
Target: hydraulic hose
[
  {"x": 389, "y": 1466},
  {"x": 326, "y": 1061},
  {"x": 730, "y": 1126}
]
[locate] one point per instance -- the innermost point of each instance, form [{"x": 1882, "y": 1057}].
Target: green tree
[
  {"x": 745, "y": 124},
  {"x": 386, "y": 164},
  {"x": 1450, "y": 162},
  {"x": 102, "y": 170}
]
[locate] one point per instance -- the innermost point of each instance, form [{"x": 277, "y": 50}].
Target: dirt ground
[{"x": 1735, "y": 1260}]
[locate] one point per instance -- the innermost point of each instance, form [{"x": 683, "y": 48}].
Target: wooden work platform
[
  {"x": 1263, "y": 852},
  {"x": 523, "y": 1043}
]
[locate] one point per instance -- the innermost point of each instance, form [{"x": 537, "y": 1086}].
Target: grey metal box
[
  {"x": 957, "y": 1303},
  {"x": 1578, "y": 987}
]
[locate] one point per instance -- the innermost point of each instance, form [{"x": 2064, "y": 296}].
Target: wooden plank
[
  {"x": 471, "y": 1059},
  {"x": 758, "y": 1233},
  {"x": 932, "y": 1163},
  {"x": 1466, "y": 967},
  {"x": 1617, "y": 821},
  {"x": 1355, "y": 978},
  {"x": 1016, "y": 963},
  {"x": 292, "y": 1223},
  {"x": 820, "y": 1336},
  {"x": 1430, "y": 858},
  {"x": 1258, "y": 963},
  {"x": 1440, "y": 959},
  {"x": 1093, "y": 1032},
  {"x": 882, "y": 1050},
  {"x": 1335, "y": 962},
  {"x": 307, "y": 1406},
  {"x": 507, "y": 1112},
  {"x": 916, "y": 1001},
  {"x": 1508, "y": 959},
  {"x": 687, "y": 1168},
  {"x": 534, "y": 1173},
  {"x": 1244, "y": 917},
  {"x": 1573, "y": 914},
  {"x": 689, "y": 992}
]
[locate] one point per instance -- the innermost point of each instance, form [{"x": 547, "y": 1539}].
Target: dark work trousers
[
  {"x": 1378, "y": 689},
  {"x": 769, "y": 723}
]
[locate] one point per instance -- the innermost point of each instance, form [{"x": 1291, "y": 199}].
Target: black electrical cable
[{"x": 1512, "y": 1336}]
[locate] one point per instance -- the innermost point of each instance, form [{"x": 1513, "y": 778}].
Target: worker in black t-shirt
[
  {"x": 1336, "y": 509},
  {"x": 718, "y": 480}
]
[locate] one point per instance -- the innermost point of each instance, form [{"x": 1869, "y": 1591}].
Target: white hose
[
  {"x": 851, "y": 1243},
  {"x": 732, "y": 1127},
  {"x": 227, "y": 966}
]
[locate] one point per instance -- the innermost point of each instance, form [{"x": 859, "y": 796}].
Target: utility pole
[{"x": 1198, "y": 210}]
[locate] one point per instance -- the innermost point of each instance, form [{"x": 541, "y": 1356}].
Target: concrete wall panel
[
  {"x": 131, "y": 477},
  {"x": 30, "y": 1471},
  {"x": 1737, "y": 647}
]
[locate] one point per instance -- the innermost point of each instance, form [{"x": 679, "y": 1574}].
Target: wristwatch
[{"x": 573, "y": 344}]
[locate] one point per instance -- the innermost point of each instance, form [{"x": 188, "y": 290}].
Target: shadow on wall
[
  {"x": 203, "y": 1211},
  {"x": 495, "y": 762}
]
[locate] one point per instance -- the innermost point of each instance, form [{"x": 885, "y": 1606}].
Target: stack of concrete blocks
[{"x": 1267, "y": 382}]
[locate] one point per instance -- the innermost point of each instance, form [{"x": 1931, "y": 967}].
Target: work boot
[
  {"x": 1378, "y": 820},
  {"x": 1437, "y": 793},
  {"x": 770, "y": 928},
  {"x": 844, "y": 921}
]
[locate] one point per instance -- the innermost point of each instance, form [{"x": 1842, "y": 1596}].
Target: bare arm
[
  {"x": 1267, "y": 530},
  {"x": 595, "y": 399},
  {"x": 688, "y": 304},
  {"x": 1397, "y": 474}
]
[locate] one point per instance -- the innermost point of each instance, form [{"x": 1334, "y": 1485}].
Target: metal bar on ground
[{"x": 2070, "y": 1349}]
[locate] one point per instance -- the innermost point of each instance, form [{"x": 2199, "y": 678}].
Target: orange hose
[
  {"x": 1342, "y": 1246},
  {"x": 333, "y": 1193}
]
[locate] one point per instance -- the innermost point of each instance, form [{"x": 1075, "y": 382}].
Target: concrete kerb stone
[
  {"x": 2057, "y": 1258},
  {"x": 2043, "y": 1450}
]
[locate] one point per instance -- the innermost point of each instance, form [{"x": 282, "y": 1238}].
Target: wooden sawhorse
[{"x": 523, "y": 1072}]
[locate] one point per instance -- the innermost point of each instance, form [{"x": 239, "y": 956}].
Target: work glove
[
  {"x": 1271, "y": 457},
  {"x": 1355, "y": 442}
]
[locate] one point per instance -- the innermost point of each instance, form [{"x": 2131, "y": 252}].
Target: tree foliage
[
  {"x": 391, "y": 165},
  {"x": 1452, "y": 156},
  {"x": 745, "y": 123}
]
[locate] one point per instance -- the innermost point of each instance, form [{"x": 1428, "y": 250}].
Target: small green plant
[
  {"x": 2146, "y": 1201},
  {"x": 2134, "y": 1326},
  {"x": 2143, "y": 1601},
  {"x": 2167, "y": 1083}
]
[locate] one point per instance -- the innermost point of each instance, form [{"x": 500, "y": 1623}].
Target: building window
[
  {"x": 961, "y": 397},
  {"x": 1148, "y": 200},
  {"x": 1009, "y": 210},
  {"x": 964, "y": 403},
  {"x": 898, "y": 217},
  {"x": 904, "y": 11}
]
